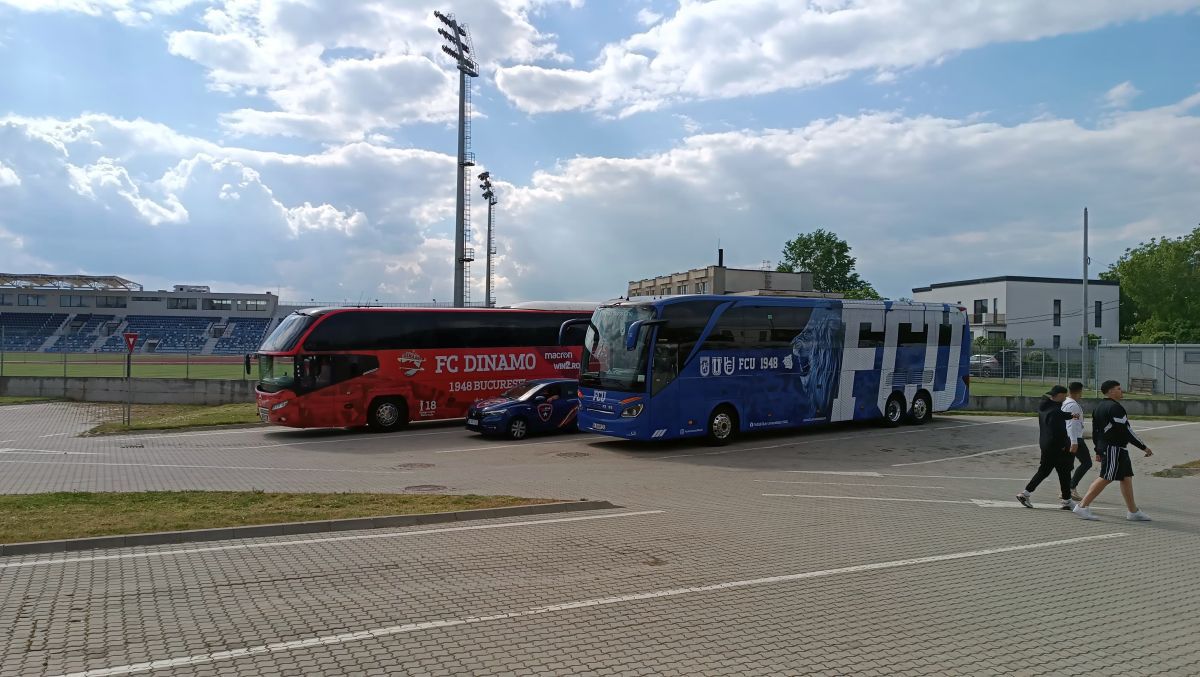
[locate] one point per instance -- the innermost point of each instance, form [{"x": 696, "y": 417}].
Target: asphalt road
[{"x": 846, "y": 550}]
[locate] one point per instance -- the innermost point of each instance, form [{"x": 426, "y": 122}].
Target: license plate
[
  {"x": 472, "y": 421},
  {"x": 599, "y": 426},
  {"x": 263, "y": 415}
]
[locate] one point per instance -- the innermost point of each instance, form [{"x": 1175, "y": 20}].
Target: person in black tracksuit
[
  {"x": 1112, "y": 434},
  {"x": 1055, "y": 446}
]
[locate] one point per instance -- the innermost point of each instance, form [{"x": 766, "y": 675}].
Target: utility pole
[
  {"x": 458, "y": 46},
  {"x": 1086, "y": 333},
  {"x": 490, "y": 196}
]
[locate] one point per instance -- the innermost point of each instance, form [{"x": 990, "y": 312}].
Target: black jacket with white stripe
[{"x": 1110, "y": 427}]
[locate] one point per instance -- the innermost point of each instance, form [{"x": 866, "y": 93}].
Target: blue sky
[{"x": 308, "y": 147}]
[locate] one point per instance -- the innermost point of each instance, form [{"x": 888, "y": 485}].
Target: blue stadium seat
[
  {"x": 26, "y": 332},
  {"x": 247, "y": 335}
]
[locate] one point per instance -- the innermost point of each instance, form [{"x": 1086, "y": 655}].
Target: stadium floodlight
[
  {"x": 485, "y": 184},
  {"x": 458, "y": 47}
]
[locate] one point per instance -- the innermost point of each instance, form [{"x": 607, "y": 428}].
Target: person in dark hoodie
[
  {"x": 1112, "y": 433},
  {"x": 1055, "y": 446}
]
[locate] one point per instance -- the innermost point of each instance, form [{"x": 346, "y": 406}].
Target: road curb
[{"x": 291, "y": 528}]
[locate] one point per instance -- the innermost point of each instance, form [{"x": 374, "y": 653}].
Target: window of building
[
  {"x": 681, "y": 289},
  {"x": 980, "y": 307},
  {"x": 111, "y": 302},
  {"x": 1099, "y": 314},
  {"x": 6, "y": 299},
  {"x": 1057, "y": 313},
  {"x": 181, "y": 304},
  {"x": 1057, "y": 341},
  {"x": 253, "y": 305},
  {"x": 996, "y": 336},
  {"x": 66, "y": 301},
  {"x": 31, "y": 300},
  {"x": 218, "y": 304},
  {"x": 147, "y": 298}
]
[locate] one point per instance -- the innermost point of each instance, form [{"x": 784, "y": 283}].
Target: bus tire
[
  {"x": 518, "y": 428},
  {"x": 387, "y": 414},
  {"x": 894, "y": 410},
  {"x": 922, "y": 409},
  {"x": 722, "y": 425}
]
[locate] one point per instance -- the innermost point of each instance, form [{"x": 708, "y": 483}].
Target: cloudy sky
[{"x": 307, "y": 146}]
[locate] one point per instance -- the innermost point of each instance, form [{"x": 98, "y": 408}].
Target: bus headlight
[
  {"x": 278, "y": 406},
  {"x": 633, "y": 411}
]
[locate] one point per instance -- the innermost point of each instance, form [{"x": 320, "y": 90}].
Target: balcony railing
[{"x": 987, "y": 318}]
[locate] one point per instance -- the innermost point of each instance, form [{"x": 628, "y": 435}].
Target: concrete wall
[
  {"x": 1134, "y": 407},
  {"x": 145, "y": 390}
]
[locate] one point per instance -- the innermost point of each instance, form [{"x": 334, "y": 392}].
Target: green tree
[
  {"x": 828, "y": 258},
  {"x": 1160, "y": 290}
]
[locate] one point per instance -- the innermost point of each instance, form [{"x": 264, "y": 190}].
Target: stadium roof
[{"x": 93, "y": 282}]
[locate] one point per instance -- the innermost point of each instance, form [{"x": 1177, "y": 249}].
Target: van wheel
[
  {"x": 387, "y": 414},
  {"x": 722, "y": 426},
  {"x": 893, "y": 411},
  {"x": 922, "y": 409}
]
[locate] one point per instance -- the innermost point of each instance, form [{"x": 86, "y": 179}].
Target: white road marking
[
  {"x": 48, "y": 451},
  {"x": 955, "y": 458},
  {"x": 221, "y": 467},
  {"x": 1163, "y": 427},
  {"x": 55, "y": 435},
  {"x": 858, "y": 473},
  {"x": 405, "y": 628},
  {"x": 260, "y": 429},
  {"x": 854, "y": 484},
  {"x": 326, "y": 539},
  {"x": 497, "y": 446},
  {"x": 844, "y": 437},
  {"x": 873, "y": 498}
]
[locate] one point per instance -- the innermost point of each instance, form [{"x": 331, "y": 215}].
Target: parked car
[
  {"x": 543, "y": 405},
  {"x": 984, "y": 365}
]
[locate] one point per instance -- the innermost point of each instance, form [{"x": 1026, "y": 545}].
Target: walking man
[
  {"x": 1055, "y": 446},
  {"x": 1112, "y": 434},
  {"x": 1079, "y": 448}
]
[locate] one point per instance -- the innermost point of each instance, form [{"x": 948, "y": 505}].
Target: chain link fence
[
  {"x": 1021, "y": 367},
  {"x": 112, "y": 365}
]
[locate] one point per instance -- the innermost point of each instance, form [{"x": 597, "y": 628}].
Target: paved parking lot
[{"x": 847, "y": 550}]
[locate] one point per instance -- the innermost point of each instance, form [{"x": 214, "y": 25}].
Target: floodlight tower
[
  {"x": 485, "y": 183},
  {"x": 458, "y": 46}
]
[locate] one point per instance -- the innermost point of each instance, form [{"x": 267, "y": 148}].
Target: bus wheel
[
  {"x": 893, "y": 411},
  {"x": 387, "y": 413},
  {"x": 518, "y": 429},
  {"x": 722, "y": 426},
  {"x": 922, "y": 408}
]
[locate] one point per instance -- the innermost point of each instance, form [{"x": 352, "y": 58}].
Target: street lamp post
[{"x": 490, "y": 196}]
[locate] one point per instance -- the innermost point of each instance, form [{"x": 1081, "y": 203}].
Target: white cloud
[
  {"x": 648, "y": 17},
  {"x": 131, "y": 12},
  {"x": 334, "y": 70},
  {"x": 8, "y": 177},
  {"x": 921, "y": 199},
  {"x": 733, "y": 48},
  {"x": 1121, "y": 95}
]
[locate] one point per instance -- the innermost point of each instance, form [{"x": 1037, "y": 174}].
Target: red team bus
[{"x": 384, "y": 367}]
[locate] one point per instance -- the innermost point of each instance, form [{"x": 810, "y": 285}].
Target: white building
[{"x": 1045, "y": 309}]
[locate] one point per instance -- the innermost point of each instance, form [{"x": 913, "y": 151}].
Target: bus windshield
[
  {"x": 287, "y": 333},
  {"x": 276, "y": 372},
  {"x": 606, "y": 362}
]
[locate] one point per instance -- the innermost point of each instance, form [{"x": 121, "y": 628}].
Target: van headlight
[{"x": 633, "y": 411}]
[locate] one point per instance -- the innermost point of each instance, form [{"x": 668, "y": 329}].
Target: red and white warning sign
[{"x": 130, "y": 340}]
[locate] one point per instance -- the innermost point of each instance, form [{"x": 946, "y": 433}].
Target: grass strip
[
  {"x": 22, "y": 400},
  {"x": 42, "y": 517},
  {"x": 175, "y": 416}
]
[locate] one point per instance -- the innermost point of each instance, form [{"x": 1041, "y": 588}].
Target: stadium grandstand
[{"x": 89, "y": 314}]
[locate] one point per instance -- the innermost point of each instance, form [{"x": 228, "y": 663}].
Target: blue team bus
[{"x": 716, "y": 366}]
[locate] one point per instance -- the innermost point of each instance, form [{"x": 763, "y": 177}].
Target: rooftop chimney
[{"x": 720, "y": 258}]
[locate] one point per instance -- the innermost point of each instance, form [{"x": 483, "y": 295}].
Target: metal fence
[{"x": 1019, "y": 367}]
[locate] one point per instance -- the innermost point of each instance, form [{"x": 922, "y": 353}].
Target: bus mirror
[
  {"x": 562, "y": 330},
  {"x": 631, "y": 335}
]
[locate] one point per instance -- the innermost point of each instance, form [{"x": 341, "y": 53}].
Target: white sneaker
[
  {"x": 1069, "y": 504},
  {"x": 1084, "y": 513},
  {"x": 1138, "y": 516}
]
